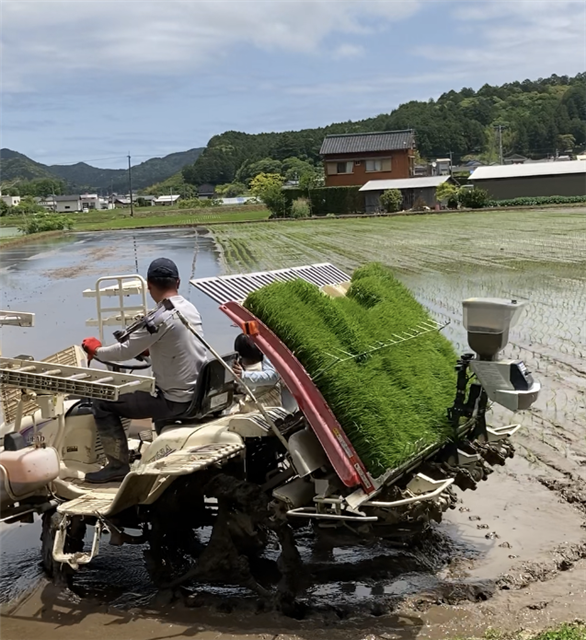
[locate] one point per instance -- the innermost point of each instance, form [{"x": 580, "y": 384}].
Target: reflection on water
[
  {"x": 20, "y": 555},
  {"x": 48, "y": 278},
  {"x": 9, "y": 232}
]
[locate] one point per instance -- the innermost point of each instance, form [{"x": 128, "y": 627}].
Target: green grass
[
  {"x": 566, "y": 632},
  {"x": 391, "y": 403},
  {"x": 573, "y": 631},
  {"x": 102, "y": 220},
  {"x": 155, "y": 217}
]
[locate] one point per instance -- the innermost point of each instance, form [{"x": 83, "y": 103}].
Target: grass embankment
[
  {"x": 155, "y": 217},
  {"x": 14, "y": 241},
  {"x": 391, "y": 402},
  {"x": 143, "y": 217}
]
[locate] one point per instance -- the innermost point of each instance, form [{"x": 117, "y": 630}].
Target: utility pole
[
  {"x": 451, "y": 165},
  {"x": 130, "y": 187},
  {"x": 500, "y": 130}
]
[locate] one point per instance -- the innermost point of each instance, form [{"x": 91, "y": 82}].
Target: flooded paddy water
[{"x": 511, "y": 555}]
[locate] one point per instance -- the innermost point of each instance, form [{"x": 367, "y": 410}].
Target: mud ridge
[
  {"x": 564, "y": 558},
  {"x": 572, "y": 490}
]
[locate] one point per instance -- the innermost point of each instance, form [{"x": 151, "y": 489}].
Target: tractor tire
[{"x": 60, "y": 574}]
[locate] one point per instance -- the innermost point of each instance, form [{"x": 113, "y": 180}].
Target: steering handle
[{"x": 146, "y": 363}]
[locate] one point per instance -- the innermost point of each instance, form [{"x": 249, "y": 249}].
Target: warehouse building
[
  {"x": 413, "y": 190},
  {"x": 502, "y": 182}
]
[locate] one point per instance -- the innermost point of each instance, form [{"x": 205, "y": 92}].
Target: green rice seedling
[{"x": 391, "y": 400}]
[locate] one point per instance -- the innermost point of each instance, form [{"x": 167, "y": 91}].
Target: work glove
[{"x": 90, "y": 346}]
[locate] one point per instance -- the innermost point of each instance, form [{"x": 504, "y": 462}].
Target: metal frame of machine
[{"x": 317, "y": 476}]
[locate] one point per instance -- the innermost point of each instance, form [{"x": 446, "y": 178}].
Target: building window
[
  {"x": 344, "y": 167},
  {"x": 378, "y": 165},
  {"x": 67, "y": 207}
]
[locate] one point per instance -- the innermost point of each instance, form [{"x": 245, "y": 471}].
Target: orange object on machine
[{"x": 250, "y": 328}]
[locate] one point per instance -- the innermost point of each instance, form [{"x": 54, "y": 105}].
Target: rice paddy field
[
  {"x": 507, "y": 563},
  {"x": 535, "y": 255}
]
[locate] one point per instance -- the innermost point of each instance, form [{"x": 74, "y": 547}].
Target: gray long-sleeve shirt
[{"x": 176, "y": 354}]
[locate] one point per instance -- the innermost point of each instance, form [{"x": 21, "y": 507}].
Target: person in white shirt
[
  {"x": 177, "y": 357},
  {"x": 259, "y": 374}
]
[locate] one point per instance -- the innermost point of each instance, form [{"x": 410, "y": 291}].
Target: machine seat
[{"x": 214, "y": 392}]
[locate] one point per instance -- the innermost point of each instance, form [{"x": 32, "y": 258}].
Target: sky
[{"x": 94, "y": 81}]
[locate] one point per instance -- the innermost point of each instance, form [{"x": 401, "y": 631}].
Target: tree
[
  {"x": 38, "y": 224},
  {"x": 566, "y": 142},
  {"x": 311, "y": 179},
  {"x": 294, "y": 168},
  {"x": 391, "y": 200},
  {"x": 268, "y": 187},
  {"x": 28, "y": 205},
  {"x": 45, "y": 187},
  {"x": 4, "y": 208},
  {"x": 231, "y": 190},
  {"x": 473, "y": 198},
  {"x": 448, "y": 193},
  {"x": 267, "y": 165}
]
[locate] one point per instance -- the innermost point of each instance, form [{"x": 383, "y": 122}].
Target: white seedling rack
[
  {"x": 126, "y": 311},
  {"x": 237, "y": 287},
  {"x": 47, "y": 378},
  {"x": 17, "y": 319}
]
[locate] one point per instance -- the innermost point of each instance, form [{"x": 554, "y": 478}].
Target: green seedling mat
[{"x": 392, "y": 401}]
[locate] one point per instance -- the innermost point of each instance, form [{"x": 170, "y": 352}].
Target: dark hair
[
  {"x": 164, "y": 284},
  {"x": 247, "y": 349}
]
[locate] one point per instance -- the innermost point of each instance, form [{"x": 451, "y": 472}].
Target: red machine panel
[{"x": 336, "y": 444}]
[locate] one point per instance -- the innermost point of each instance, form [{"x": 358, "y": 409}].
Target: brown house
[{"x": 356, "y": 158}]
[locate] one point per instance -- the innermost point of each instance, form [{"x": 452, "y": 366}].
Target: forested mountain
[
  {"x": 14, "y": 165},
  {"x": 539, "y": 118},
  {"x": 17, "y": 170}
]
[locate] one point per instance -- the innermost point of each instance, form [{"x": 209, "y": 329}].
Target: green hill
[
  {"x": 16, "y": 168},
  {"x": 540, "y": 118}
]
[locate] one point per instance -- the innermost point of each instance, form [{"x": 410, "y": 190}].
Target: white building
[
  {"x": 67, "y": 204},
  {"x": 90, "y": 201},
  {"x": 167, "y": 200},
  {"x": 11, "y": 201}
]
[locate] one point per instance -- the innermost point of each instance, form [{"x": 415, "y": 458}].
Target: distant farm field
[{"x": 536, "y": 255}]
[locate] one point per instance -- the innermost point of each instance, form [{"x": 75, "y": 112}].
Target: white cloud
[
  {"x": 373, "y": 84},
  {"x": 348, "y": 51},
  {"x": 515, "y": 39},
  {"x": 44, "y": 39}
]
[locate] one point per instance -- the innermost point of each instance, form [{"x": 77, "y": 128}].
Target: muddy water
[
  {"x": 48, "y": 278},
  {"x": 516, "y": 530}
]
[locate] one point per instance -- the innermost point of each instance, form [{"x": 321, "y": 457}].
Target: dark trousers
[{"x": 138, "y": 406}]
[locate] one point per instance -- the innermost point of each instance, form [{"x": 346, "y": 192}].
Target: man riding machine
[{"x": 177, "y": 357}]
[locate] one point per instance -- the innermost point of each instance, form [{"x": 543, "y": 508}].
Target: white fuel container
[{"x": 25, "y": 471}]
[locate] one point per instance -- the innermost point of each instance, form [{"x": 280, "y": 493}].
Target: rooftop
[
  {"x": 367, "y": 142},
  {"x": 529, "y": 170},
  {"x": 406, "y": 183},
  {"x": 169, "y": 198}
]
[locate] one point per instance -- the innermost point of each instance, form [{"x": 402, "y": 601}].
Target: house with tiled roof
[{"x": 353, "y": 159}]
